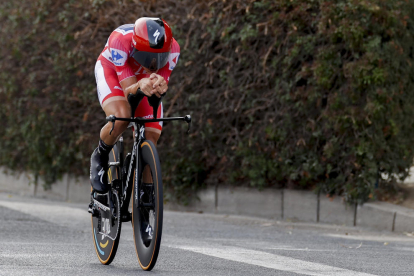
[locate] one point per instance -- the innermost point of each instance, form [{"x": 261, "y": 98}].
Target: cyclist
[{"x": 140, "y": 55}]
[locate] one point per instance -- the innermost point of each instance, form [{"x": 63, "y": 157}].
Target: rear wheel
[
  {"x": 106, "y": 225},
  {"x": 147, "y": 208}
]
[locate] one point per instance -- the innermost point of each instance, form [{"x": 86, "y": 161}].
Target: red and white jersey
[{"x": 117, "y": 55}]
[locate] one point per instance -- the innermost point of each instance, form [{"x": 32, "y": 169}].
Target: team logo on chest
[{"x": 118, "y": 57}]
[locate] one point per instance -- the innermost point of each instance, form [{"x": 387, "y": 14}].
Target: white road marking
[
  {"x": 31, "y": 255},
  {"x": 404, "y": 248},
  {"x": 299, "y": 249},
  {"x": 264, "y": 245},
  {"x": 387, "y": 238},
  {"x": 6, "y": 244},
  {"x": 264, "y": 259}
]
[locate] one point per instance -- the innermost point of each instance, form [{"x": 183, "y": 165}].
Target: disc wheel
[
  {"x": 147, "y": 207},
  {"x": 106, "y": 227}
]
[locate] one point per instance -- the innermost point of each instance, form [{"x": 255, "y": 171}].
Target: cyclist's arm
[{"x": 131, "y": 85}]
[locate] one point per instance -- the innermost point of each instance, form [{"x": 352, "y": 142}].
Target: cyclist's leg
[
  {"x": 119, "y": 108},
  {"x": 113, "y": 101}
]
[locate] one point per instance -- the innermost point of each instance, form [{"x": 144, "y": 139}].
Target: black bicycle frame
[{"x": 139, "y": 136}]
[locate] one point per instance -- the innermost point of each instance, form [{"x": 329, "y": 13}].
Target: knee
[{"x": 120, "y": 126}]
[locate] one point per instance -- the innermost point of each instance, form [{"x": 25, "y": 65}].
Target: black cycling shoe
[{"x": 98, "y": 172}]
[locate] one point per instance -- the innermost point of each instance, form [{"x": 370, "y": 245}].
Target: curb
[
  {"x": 294, "y": 205},
  {"x": 291, "y": 205}
]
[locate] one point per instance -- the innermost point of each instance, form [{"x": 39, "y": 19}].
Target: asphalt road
[{"x": 40, "y": 237}]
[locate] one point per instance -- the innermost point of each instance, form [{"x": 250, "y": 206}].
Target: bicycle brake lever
[
  {"x": 187, "y": 118},
  {"x": 113, "y": 125},
  {"x": 111, "y": 118}
]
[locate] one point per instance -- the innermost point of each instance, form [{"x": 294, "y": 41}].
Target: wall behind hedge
[{"x": 301, "y": 94}]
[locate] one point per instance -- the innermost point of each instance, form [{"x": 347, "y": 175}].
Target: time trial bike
[{"x": 126, "y": 176}]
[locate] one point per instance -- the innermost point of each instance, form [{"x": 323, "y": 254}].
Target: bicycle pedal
[
  {"x": 126, "y": 217},
  {"x": 92, "y": 211}
]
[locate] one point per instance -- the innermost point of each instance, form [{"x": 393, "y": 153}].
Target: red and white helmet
[{"x": 152, "y": 39}]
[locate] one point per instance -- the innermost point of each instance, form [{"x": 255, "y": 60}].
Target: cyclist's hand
[
  {"x": 160, "y": 84},
  {"x": 146, "y": 86}
]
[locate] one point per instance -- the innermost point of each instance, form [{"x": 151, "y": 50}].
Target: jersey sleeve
[
  {"x": 119, "y": 55},
  {"x": 165, "y": 72}
]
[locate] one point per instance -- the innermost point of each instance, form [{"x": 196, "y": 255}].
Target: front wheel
[{"x": 147, "y": 207}]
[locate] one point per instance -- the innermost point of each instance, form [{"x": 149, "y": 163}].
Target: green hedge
[{"x": 298, "y": 94}]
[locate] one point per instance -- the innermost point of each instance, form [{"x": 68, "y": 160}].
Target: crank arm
[{"x": 105, "y": 235}]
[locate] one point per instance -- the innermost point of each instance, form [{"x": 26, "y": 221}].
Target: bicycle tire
[
  {"x": 147, "y": 252},
  {"x": 106, "y": 248}
]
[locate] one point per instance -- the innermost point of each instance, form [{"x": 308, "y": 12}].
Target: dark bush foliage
[{"x": 303, "y": 94}]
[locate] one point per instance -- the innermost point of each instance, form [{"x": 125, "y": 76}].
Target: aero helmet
[{"x": 152, "y": 40}]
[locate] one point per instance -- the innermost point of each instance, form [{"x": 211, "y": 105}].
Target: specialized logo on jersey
[
  {"x": 118, "y": 57},
  {"x": 140, "y": 69},
  {"x": 172, "y": 60}
]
